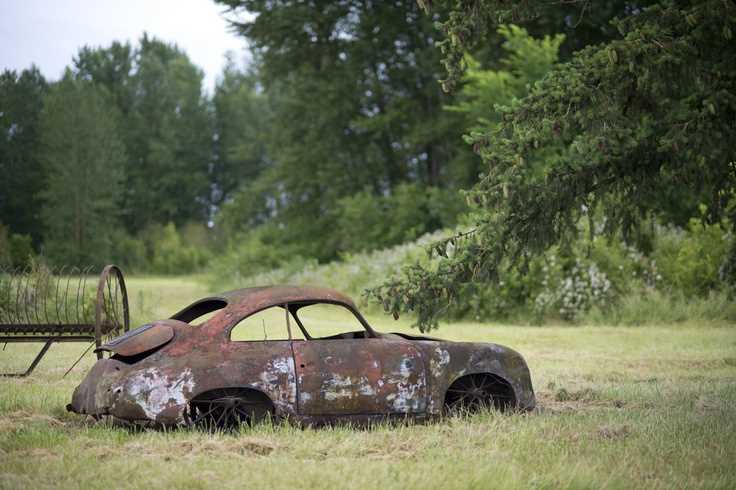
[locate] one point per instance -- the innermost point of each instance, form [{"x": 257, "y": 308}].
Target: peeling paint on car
[
  {"x": 355, "y": 376},
  {"x": 154, "y": 392}
]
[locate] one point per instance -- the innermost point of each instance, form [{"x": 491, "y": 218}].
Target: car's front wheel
[{"x": 228, "y": 408}]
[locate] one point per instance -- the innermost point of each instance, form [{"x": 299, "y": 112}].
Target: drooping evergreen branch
[{"x": 615, "y": 127}]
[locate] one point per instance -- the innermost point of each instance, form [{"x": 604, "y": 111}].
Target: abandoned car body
[{"x": 174, "y": 372}]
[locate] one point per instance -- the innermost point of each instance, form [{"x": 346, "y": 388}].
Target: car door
[
  {"x": 259, "y": 355},
  {"x": 359, "y": 376}
]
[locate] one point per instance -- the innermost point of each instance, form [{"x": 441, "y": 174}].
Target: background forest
[{"x": 334, "y": 156}]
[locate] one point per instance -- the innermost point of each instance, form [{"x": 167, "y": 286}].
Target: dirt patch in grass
[
  {"x": 563, "y": 400},
  {"x": 15, "y": 420},
  {"x": 706, "y": 405},
  {"x": 614, "y": 432},
  {"x": 220, "y": 447},
  {"x": 38, "y": 454},
  {"x": 730, "y": 361}
]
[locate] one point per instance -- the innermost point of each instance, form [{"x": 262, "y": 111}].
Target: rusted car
[{"x": 301, "y": 353}]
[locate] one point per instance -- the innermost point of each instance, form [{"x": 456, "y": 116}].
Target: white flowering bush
[{"x": 570, "y": 291}]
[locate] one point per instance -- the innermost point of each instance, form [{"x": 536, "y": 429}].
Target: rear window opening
[{"x": 201, "y": 310}]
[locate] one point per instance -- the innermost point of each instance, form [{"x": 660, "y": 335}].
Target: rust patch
[{"x": 364, "y": 376}]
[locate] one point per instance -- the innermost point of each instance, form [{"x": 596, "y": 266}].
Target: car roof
[
  {"x": 245, "y": 301},
  {"x": 241, "y": 303},
  {"x": 275, "y": 295}
]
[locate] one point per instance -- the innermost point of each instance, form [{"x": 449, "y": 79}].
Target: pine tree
[
  {"x": 83, "y": 159},
  {"x": 617, "y": 128},
  {"x": 21, "y": 100}
]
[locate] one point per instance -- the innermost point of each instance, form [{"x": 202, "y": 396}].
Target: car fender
[{"x": 449, "y": 361}]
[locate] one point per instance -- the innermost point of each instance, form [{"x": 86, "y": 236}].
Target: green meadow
[{"x": 618, "y": 407}]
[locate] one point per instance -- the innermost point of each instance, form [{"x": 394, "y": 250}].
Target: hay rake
[{"x": 63, "y": 305}]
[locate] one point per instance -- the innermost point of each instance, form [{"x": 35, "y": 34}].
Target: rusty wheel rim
[
  {"x": 470, "y": 395},
  {"x": 473, "y": 394},
  {"x": 224, "y": 410}
]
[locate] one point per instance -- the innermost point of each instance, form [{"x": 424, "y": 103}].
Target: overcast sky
[{"x": 49, "y": 32}]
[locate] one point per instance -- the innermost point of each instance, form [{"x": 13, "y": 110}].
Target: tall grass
[{"x": 653, "y": 307}]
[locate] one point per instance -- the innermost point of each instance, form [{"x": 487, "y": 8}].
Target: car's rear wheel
[
  {"x": 228, "y": 409},
  {"x": 477, "y": 392}
]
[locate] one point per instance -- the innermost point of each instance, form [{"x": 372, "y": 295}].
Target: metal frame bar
[
  {"x": 23, "y": 323},
  {"x": 48, "y": 339}
]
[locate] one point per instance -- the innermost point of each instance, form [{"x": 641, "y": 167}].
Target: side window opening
[
  {"x": 265, "y": 325},
  {"x": 330, "y": 321}
]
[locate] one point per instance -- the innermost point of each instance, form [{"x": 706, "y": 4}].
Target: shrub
[
  {"x": 572, "y": 289},
  {"x": 693, "y": 260},
  {"x": 170, "y": 255},
  {"x": 600, "y": 281},
  {"x": 252, "y": 253},
  {"x": 129, "y": 252},
  {"x": 15, "y": 250}
]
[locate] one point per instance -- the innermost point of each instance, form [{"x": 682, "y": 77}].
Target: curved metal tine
[
  {"x": 15, "y": 293},
  {"x": 66, "y": 296},
  {"x": 43, "y": 291},
  {"x": 18, "y": 296},
  {"x": 79, "y": 359},
  {"x": 47, "y": 289},
  {"x": 118, "y": 303},
  {"x": 11, "y": 311},
  {"x": 27, "y": 296},
  {"x": 87, "y": 271},
  {"x": 112, "y": 304},
  {"x": 76, "y": 305},
  {"x": 56, "y": 297},
  {"x": 4, "y": 285},
  {"x": 37, "y": 290},
  {"x": 2, "y": 294},
  {"x": 4, "y": 282},
  {"x": 114, "y": 299},
  {"x": 40, "y": 275},
  {"x": 104, "y": 302},
  {"x": 115, "y": 302}
]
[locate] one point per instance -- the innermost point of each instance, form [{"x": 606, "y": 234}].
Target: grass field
[{"x": 651, "y": 407}]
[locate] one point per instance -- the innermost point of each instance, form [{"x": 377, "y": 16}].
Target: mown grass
[{"x": 619, "y": 407}]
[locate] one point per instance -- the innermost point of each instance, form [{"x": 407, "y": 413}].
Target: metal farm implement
[{"x": 37, "y": 305}]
